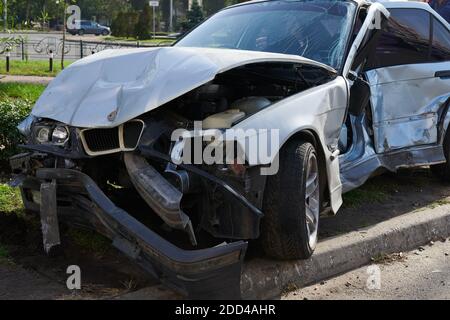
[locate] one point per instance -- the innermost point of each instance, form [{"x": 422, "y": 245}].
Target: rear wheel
[
  {"x": 81, "y": 32},
  {"x": 292, "y": 204}
]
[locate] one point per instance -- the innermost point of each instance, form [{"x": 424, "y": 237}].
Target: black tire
[
  {"x": 284, "y": 232},
  {"x": 81, "y": 32},
  {"x": 442, "y": 171},
  {"x": 105, "y": 33}
]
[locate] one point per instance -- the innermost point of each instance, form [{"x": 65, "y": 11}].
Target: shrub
[
  {"x": 124, "y": 24},
  {"x": 142, "y": 30},
  {"x": 12, "y": 112}
]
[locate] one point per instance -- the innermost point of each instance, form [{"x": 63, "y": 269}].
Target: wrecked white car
[{"x": 249, "y": 127}]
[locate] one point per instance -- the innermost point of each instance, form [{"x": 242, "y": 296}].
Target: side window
[
  {"x": 404, "y": 40},
  {"x": 440, "y": 49}
]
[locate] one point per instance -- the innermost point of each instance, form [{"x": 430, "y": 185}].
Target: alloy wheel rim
[{"x": 312, "y": 204}]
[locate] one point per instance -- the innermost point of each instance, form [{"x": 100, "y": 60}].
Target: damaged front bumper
[{"x": 212, "y": 273}]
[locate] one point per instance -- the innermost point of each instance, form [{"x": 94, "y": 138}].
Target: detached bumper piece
[
  {"x": 212, "y": 273},
  {"x": 159, "y": 194}
]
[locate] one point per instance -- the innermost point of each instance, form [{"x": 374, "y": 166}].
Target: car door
[
  {"x": 409, "y": 79},
  {"x": 93, "y": 27},
  {"x": 85, "y": 26}
]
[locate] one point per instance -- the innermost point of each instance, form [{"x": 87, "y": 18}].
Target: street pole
[
  {"x": 154, "y": 23},
  {"x": 171, "y": 16},
  {"x": 64, "y": 35},
  {"x": 5, "y": 15}
]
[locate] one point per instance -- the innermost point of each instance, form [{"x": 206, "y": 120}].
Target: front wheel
[
  {"x": 442, "y": 171},
  {"x": 292, "y": 204}
]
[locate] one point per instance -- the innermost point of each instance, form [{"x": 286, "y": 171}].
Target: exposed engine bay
[{"x": 244, "y": 91}]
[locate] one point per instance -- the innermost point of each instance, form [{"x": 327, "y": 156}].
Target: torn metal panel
[
  {"x": 361, "y": 162},
  {"x": 159, "y": 194},
  {"x": 49, "y": 216}
]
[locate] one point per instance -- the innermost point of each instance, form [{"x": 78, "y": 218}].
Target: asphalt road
[
  {"x": 36, "y": 36},
  {"x": 421, "y": 274}
]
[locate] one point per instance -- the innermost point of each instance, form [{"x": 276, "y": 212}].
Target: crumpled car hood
[{"x": 114, "y": 86}]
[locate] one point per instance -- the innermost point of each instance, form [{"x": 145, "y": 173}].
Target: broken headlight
[
  {"x": 43, "y": 135},
  {"x": 50, "y": 134},
  {"x": 60, "y": 135}
]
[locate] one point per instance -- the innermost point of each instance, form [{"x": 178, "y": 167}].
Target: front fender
[{"x": 321, "y": 110}]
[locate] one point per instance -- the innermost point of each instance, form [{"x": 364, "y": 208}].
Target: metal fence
[{"x": 21, "y": 48}]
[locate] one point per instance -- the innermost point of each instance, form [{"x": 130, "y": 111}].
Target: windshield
[{"x": 317, "y": 30}]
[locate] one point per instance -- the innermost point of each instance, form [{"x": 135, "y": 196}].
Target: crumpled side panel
[{"x": 406, "y": 101}]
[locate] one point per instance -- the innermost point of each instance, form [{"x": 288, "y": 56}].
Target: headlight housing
[
  {"x": 43, "y": 135},
  {"x": 60, "y": 135},
  {"x": 52, "y": 134}
]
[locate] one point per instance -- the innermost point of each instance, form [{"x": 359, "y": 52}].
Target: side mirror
[{"x": 359, "y": 97}]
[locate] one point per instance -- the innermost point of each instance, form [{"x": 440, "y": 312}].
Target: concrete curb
[
  {"x": 268, "y": 279},
  {"x": 263, "y": 279}
]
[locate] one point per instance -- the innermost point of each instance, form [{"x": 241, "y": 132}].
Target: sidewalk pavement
[
  {"x": 25, "y": 79},
  {"x": 420, "y": 274}
]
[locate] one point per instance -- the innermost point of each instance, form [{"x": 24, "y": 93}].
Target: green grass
[
  {"x": 358, "y": 197},
  {"x": 438, "y": 203},
  {"x": 155, "y": 41},
  {"x": 10, "y": 199},
  {"x": 3, "y": 252},
  {"x": 32, "y": 68},
  {"x": 25, "y": 91},
  {"x": 4, "y": 255},
  {"x": 375, "y": 190},
  {"x": 90, "y": 241}
]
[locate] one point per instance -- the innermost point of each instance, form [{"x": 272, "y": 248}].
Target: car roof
[
  {"x": 260, "y": 1},
  {"x": 398, "y": 4},
  {"x": 388, "y": 4}
]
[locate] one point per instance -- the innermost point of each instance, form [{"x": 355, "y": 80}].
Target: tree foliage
[
  {"x": 22, "y": 12},
  {"x": 143, "y": 28},
  {"x": 193, "y": 17},
  {"x": 118, "y": 12},
  {"x": 124, "y": 24}
]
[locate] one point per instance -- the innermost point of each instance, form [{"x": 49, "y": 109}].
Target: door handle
[{"x": 442, "y": 74}]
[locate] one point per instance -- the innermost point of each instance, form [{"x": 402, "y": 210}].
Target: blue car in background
[{"x": 90, "y": 27}]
